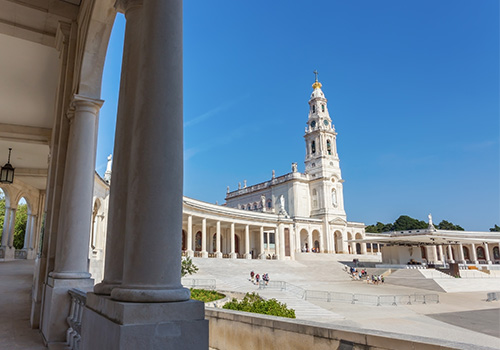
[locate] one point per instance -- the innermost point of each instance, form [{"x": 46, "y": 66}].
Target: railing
[
  {"x": 368, "y": 299},
  {"x": 73, "y": 334},
  {"x": 199, "y": 283}
]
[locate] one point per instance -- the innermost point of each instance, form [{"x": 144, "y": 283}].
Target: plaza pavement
[{"x": 463, "y": 317}]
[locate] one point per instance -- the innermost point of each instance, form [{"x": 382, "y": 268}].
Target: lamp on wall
[{"x": 7, "y": 171}]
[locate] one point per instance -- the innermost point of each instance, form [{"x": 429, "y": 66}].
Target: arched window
[
  {"x": 322, "y": 108},
  {"x": 496, "y": 253},
  {"x": 269, "y": 204},
  {"x": 313, "y": 147},
  {"x": 197, "y": 241},
  {"x": 314, "y": 109},
  {"x": 255, "y": 206},
  {"x": 329, "y": 147},
  {"x": 480, "y": 253},
  {"x": 466, "y": 253},
  {"x": 334, "y": 198}
]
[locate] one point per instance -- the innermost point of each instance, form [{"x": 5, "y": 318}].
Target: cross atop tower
[{"x": 316, "y": 75}]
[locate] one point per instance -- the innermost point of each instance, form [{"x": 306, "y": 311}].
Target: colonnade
[
  {"x": 463, "y": 253},
  {"x": 204, "y": 237}
]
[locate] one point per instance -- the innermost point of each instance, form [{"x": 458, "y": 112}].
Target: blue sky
[{"x": 412, "y": 88}]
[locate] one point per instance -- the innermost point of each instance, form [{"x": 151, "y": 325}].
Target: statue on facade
[
  {"x": 263, "y": 202},
  {"x": 239, "y": 185},
  {"x": 244, "y": 183},
  {"x": 274, "y": 174},
  {"x": 294, "y": 167},
  {"x": 282, "y": 210},
  {"x": 227, "y": 189}
]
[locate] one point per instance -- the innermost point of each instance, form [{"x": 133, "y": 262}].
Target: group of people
[
  {"x": 256, "y": 278},
  {"x": 362, "y": 275}
]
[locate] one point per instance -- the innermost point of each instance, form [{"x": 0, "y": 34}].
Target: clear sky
[{"x": 412, "y": 89}]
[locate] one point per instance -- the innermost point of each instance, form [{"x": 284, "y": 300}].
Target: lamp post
[{"x": 7, "y": 172}]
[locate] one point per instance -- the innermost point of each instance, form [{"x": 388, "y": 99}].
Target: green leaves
[
  {"x": 205, "y": 295},
  {"x": 405, "y": 222},
  {"x": 20, "y": 227},
  {"x": 254, "y": 303},
  {"x": 187, "y": 267}
]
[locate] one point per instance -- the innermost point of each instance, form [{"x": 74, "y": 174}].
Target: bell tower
[{"x": 322, "y": 162}]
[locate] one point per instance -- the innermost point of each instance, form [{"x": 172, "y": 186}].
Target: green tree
[
  {"x": 379, "y": 227},
  {"x": 496, "y": 228},
  {"x": 20, "y": 227},
  {"x": 446, "y": 225},
  {"x": 187, "y": 267},
  {"x": 404, "y": 222}
]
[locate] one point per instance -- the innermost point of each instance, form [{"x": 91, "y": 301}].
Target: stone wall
[{"x": 233, "y": 330}]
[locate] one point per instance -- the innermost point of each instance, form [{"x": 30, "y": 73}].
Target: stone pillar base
[
  {"x": 204, "y": 254},
  {"x": 233, "y": 255},
  {"x": 190, "y": 253},
  {"x": 218, "y": 255},
  {"x": 112, "y": 325},
  {"x": 248, "y": 256},
  {"x": 262, "y": 256},
  {"x": 57, "y": 304},
  {"x": 7, "y": 253}
]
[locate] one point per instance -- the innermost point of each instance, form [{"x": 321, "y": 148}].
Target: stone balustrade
[{"x": 73, "y": 334}]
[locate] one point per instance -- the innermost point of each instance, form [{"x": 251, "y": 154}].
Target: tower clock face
[
  {"x": 313, "y": 124},
  {"x": 325, "y": 122}
]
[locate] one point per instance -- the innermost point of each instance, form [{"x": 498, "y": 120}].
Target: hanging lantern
[{"x": 7, "y": 171}]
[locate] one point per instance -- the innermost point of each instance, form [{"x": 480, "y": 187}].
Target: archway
[
  {"x": 338, "y": 242},
  {"x": 20, "y": 229},
  {"x": 358, "y": 248},
  {"x": 214, "y": 242},
  {"x": 350, "y": 244},
  {"x": 236, "y": 244},
  {"x": 480, "y": 253},
  {"x": 316, "y": 240},
  {"x": 197, "y": 242},
  {"x": 496, "y": 253},
  {"x": 361, "y": 249},
  {"x": 304, "y": 246}
]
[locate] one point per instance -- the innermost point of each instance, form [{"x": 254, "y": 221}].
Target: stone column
[
  {"x": 76, "y": 203},
  {"x": 363, "y": 248},
  {"x": 189, "y": 238},
  {"x": 309, "y": 240},
  {"x": 218, "y": 253},
  {"x": 474, "y": 254},
  {"x": 122, "y": 165},
  {"x": 450, "y": 254},
  {"x": 461, "y": 253},
  {"x": 28, "y": 232},
  {"x": 321, "y": 243},
  {"x": 204, "y": 253},
  {"x": 75, "y": 212},
  {"x": 371, "y": 248},
  {"x": 247, "y": 242},
  {"x": 232, "y": 254},
  {"x": 6, "y": 250},
  {"x": 281, "y": 245},
  {"x": 261, "y": 244},
  {"x": 487, "y": 253}
]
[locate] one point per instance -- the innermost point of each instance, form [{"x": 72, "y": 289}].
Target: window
[
  {"x": 313, "y": 147},
  {"x": 314, "y": 109},
  {"x": 334, "y": 198},
  {"x": 322, "y": 108},
  {"x": 328, "y": 147},
  {"x": 480, "y": 253}
]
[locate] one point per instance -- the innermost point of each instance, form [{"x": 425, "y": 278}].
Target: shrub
[
  {"x": 254, "y": 303},
  {"x": 205, "y": 295}
]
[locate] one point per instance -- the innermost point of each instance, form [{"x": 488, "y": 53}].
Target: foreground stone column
[
  {"x": 70, "y": 266},
  {"x": 441, "y": 254},
  {"x": 189, "y": 250},
  {"x": 450, "y": 254},
  {"x": 309, "y": 240},
  {"x": 117, "y": 217},
  {"x": 151, "y": 309},
  {"x": 232, "y": 254}
]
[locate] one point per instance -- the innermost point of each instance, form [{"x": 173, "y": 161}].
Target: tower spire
[{"x": 317, "y": 84}]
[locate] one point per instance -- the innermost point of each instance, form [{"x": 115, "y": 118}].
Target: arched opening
[
  {"x": 197, "y": 242},
  {"x": 480, "y": 253},
  {"x": 304, "y": 246},
  {"x": 338, "y": 242},
  {"x": 236, "y": 244},
  {"x": 184, "y": 240},
  {"x": 423, "y": 252},
  {"x": 20, "y": 227},
  {"x": 466, "y": 253},
  {"x": 496, "y": 253},
  {"x": 316, "y": 240},
  {"x": 329, "y": 147},
  {"x": 350, "y": 249},
  {"x": 214, "y": 242},
  {"x": 358, "y": 248},
  {"x": 313, "y": 147}
]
